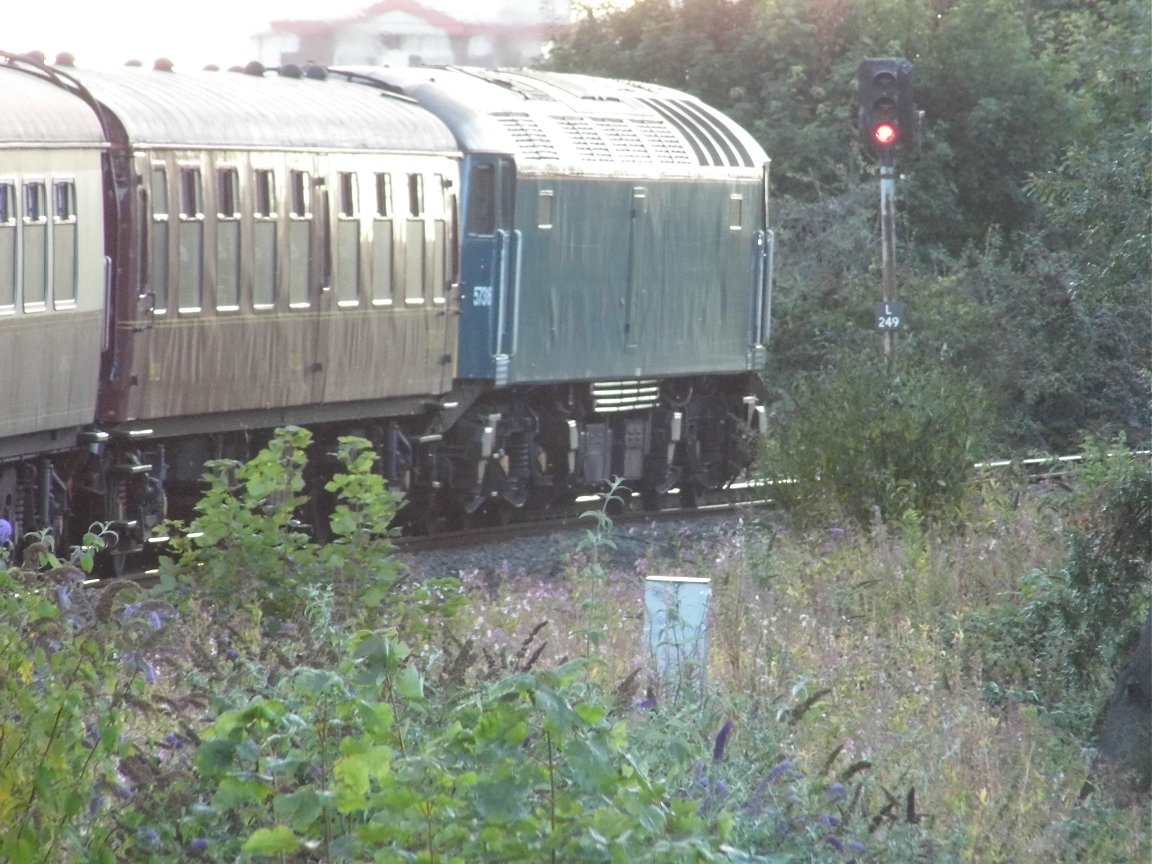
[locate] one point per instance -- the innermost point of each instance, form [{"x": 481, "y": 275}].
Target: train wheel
[{"x": 689, "y": 495}]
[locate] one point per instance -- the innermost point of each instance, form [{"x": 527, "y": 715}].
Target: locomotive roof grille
[
  {"x": 585, "y": 138},
  {"x": 598, "y": 139},
  {"x": 529, "y": 137}
]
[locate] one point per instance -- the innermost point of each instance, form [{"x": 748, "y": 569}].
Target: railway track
[{"x": 625, "y": 509}]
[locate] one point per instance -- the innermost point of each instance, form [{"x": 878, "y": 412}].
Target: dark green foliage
[
  {"x": 72, "y": 661},
  {"x": 995, "y": 112},
  {"x": 344, "y": 762},
  {"x": 861, "y": 442},
  {"x": 1063, "y": 637}
]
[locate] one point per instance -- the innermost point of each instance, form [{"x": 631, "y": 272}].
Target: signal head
[{"x": 887, "y": 111}]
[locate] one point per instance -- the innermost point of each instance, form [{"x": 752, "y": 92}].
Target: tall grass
[{"x": 848, "y": 653}]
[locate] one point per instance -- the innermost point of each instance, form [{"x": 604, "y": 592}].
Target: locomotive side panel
[{"x": 631, "y": 278}]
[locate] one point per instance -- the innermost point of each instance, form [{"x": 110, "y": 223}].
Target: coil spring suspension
[{"x": 520, "y": 457}]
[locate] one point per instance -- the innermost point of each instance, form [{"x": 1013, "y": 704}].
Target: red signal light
[{"x": 884, "y": 134}]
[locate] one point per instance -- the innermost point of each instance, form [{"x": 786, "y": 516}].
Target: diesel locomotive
[{"x": 517, "y": 284}]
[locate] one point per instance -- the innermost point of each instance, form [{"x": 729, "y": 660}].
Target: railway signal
[
  {"x": 887, "y": 106},
  {"x": 888, "y": 121}
]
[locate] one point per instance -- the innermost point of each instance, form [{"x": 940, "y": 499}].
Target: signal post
[{"x": 888, "y": 121}]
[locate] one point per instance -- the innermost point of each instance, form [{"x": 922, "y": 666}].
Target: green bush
[
  {"x": 72, "y": 659},
  {"x": 1062, "y": 635},
  {"x": 860, "y": 443}
]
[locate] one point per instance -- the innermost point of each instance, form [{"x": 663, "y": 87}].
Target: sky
[{"x": 191, "y": 34}]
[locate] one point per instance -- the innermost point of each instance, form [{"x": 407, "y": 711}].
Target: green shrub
[
  {"x": 344, "y": 763},
  {"x": 72, "y": 659},
  {"x": 1061, "y": 636},
  {"x": 861, "y": 443}
]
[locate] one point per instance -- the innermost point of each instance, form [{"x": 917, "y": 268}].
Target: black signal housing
[{"x": 888, "y": 116}]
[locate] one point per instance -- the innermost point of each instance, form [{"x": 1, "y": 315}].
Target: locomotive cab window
[
  {"x": 481, "y": 216},
  {"x": 7, "y": 247},
  {"x": 65, "y": 276},
  {"x": 735, "y": 212},
  {"x": 264, "y": 239},
  {"x": 190, "y": 281},
  {"x": 35, "y": 245},
  {"x": 227, "y": 239}
]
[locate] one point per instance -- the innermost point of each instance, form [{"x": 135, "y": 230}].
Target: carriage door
[{"x": 489, "y": 269}]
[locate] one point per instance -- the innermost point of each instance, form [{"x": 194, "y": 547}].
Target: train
[{"x": 519, "y": 285}]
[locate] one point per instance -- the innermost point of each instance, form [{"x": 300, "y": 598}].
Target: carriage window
[
  {"x": 228, "y": 240},
  {"x": 265, "y": 194},
  {"x": 264, "y": 240},
  {"x": 298, "y": 183},
  {"x": 191, "y": 194},
  {"x": 298, "y": 251},
  {"x": 35, "y": 243},
  {"x": 65, "y": 196},
  {"x": 65, "y": 276},
  {"x": 191, "y": 240},
  {"x": 228, "y": 193},
  {"x": 384, "y": 196},
  {"x": 544, "y": 208},
  {"x": 158, "y": 281},
  {"x": 415, "y": 195},
  {"x": 481, "y": 217},
  {"x": 7, "y": 203},
  {"x": 159, "y": 192},
  {"x": 381, "y": 274},
  {"x": 347, "y": 276},
  {"x": 34, "y": 201},
  {"x": 735, "y": 212},
  {"x": 7, "y": 247},
  {"x": 349, "y": 194}
]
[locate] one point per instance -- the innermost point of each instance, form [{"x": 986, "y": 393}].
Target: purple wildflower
[
  {"x": 154, "y": 620},
  {"x": 701, "y": 780},
  {"x": 835, "y": 791},
  {"x": 721, "y": 742},
  {"x": 828, "y": 820},
  {"x": 857, "y": 847},
  {"x": 174, "y": 741},
  {"x": 197, "y": 848},
  {"x": 835, "y": 842},
  {"x": 779, "y": 771}
]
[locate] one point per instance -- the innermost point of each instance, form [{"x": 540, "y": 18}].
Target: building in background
[{"x": 414, "y": 32}]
